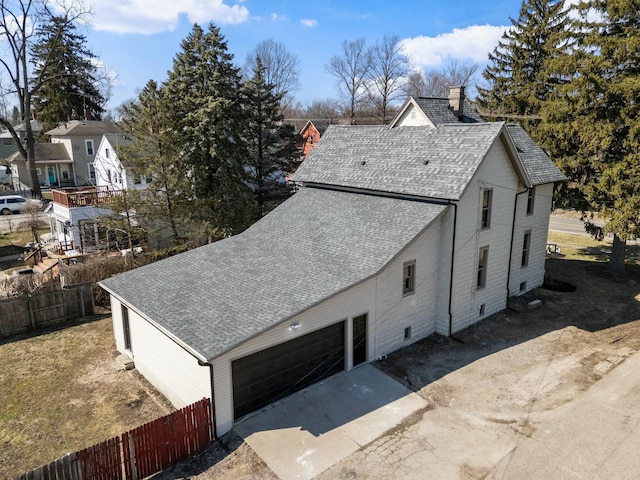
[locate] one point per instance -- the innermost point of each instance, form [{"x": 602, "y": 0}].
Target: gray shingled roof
[
  {"x": 313, "y": 246},
  {"x": 84, "y": 127},
  {"x": 394, "y": 158},
  {"x": 439, "y": 111},
  {"x": 538, "y": 166},
  {"x": 46, "y": 152}
]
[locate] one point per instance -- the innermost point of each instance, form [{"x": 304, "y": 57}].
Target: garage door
[{"x": 274, "y": 373}]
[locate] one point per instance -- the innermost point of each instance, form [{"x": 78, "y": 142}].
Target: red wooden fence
[
  {"x": 154, "y": 446},
  {"x": 101, "y": 462},
  {"x": 140, "y": 452}
]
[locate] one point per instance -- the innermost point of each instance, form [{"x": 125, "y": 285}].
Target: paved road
[
  {"x": 9, "y": 223},
  {"x": 574, "y": 226}
]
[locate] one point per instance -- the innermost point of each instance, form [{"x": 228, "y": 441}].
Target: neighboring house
[
  {"x": 72, "y": 218},
  {"x": 74, "y": 213},
  {"x": 109, "y": 171},
  {"x": 311, "y": 133},
  {"x": 53, "y": 165},
  {"x": 425, "y": 225},
  {"x": 81, "y": 139},
  {"x": 7, "y": 143}
]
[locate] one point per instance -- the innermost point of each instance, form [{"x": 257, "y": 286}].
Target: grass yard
[
  {"x": 60, "y": 392},
  {"x": 583, "y": 247}
]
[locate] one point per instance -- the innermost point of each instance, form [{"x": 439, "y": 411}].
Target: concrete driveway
[{"x": 312, "y": 430}]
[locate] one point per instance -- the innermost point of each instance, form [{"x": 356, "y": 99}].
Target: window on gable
[
  {"x": 530, "y": 200},
  {"x": 483, "y": 258},
  {"x": 409, "y": 277},
  {"x": 89, "y": 145},
  {"x": 526, "y": 245},
  {"x": 485, "y": 221},
  {"x": 106, "y": 152}
]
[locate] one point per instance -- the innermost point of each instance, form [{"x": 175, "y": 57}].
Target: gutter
[
  {"x": 213, "y": 399},
  {"x": 453, "y": 255},
  {"x": 513, "y": 230}
]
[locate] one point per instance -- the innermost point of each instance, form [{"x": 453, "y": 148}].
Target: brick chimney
[{"x": 456, "y": 101}]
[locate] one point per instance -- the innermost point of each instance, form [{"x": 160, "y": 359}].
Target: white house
[
  {"x": 108, "y": 170},
  {"x": 425, "y": 225},
  {"x": 74, "y": 212},
  {"x": 66, "y": 161}
]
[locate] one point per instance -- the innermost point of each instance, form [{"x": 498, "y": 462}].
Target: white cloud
[
  {"x": 470, "y": 43},
  {"x": 279, "y": 18},
  {"x": 307, "y": 22},
  {"x": 154, "y": 16}
]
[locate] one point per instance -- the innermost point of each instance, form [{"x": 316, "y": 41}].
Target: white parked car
[{"x": 16, "y": 203}]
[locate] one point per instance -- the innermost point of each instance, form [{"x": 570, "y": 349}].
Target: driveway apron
[{"x": 308, "y": 432}]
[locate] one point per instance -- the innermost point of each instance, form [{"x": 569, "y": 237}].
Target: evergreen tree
[
  {"x": 66, "y": 74},
  {"x": 593, "y": 124},
  {"x": 272, "y": 145},
  {"x": 153, "y": 154},
  {"x": 203, "y": 91},
  {"x": 518, "y": 75}
]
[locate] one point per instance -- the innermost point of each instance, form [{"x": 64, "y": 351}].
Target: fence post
[
  {"x": 82, "y": 302},
  {"x": 31, "y": 315}
]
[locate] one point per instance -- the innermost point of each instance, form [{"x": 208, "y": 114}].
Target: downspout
[
  {"x": 453, "y": 254},
  {"x": 213, "y": 400},
  {"x": 513, "y": 231}
]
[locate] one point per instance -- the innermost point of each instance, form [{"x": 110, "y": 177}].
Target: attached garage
[{"x": 270, "y": 375}]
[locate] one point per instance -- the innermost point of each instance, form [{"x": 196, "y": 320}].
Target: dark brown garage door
[{"x": 274, "y": 373}]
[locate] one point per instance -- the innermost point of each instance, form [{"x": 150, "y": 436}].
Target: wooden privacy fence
[
  {"x": 22, "y": 314},
  {"x": 140, "y": 452}
]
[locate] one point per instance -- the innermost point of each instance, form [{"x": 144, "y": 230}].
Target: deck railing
[{"x": 84, "y": 196}]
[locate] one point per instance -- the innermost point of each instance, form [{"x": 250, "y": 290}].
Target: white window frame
[
  {"x": 531, "y": 197},
  {"x": 526, "y": 248},
  {"x": 89, "y": 148},
  {"x": 483, "y": 263},
  {"x": 92, "y": 169},
  {"x": 408, "y": 278},
  {"x": 485, "y": 208}
]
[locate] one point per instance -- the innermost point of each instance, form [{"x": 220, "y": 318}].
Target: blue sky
[{"x": 138, "y": 39}]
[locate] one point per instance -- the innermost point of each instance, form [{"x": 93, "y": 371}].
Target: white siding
[
  {"x": 167, "y": 366},
  {"x": 344, "y": 306},
  {"x": 495, "y": 172},
  {"x": 538, "y": 224},
  {"x": 396, "y": 312},
  {"x": 116, "y": 318},
  {"x": 413, "y": 117}
]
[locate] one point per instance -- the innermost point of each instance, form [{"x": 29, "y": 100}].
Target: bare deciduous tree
[
  {"x": 351, "y": 69},
  {"x": 436, "y": 83},
  {"x": 19, "y": 20},
  {"x": 322, "y": 109},
  {"x": 386, "y": 77},
  {"x": 281, "y": 68}
]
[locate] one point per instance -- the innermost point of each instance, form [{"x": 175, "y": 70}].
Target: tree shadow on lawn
[
  {"x": 600, "y": 301},
  {"x": 46, "y": 329},
  {"x": 603, "y": 253}
]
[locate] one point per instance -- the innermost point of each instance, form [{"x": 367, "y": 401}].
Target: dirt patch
[{"x": 60, "y": 393}]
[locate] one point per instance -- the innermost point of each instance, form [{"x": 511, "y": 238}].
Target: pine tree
[
  {"x": 272, "y": 147},
  {"x": 518, "y": 75},
  {"x": 152, "y": 153},
  {"x": 203, "y": 91},
  {"x": 66, "y": 74},
  {"x": 593, "y": 125}
]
